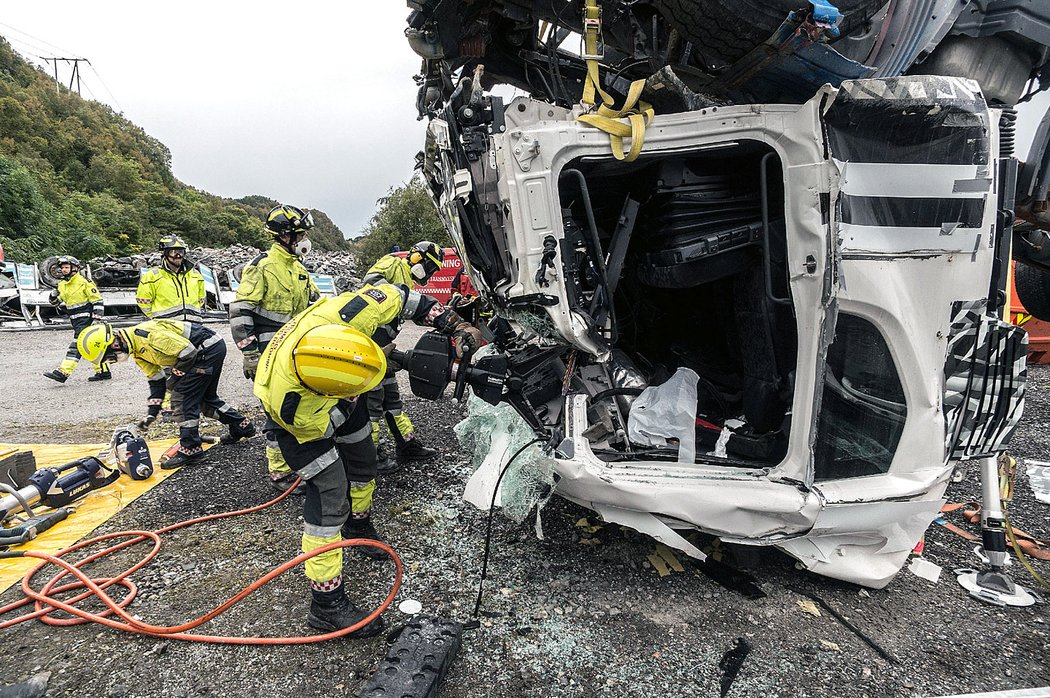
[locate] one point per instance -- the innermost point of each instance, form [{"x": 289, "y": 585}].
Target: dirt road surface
[{"x": 575, "y": 614}]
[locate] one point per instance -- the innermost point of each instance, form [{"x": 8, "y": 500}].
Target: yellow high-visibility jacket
[
  {"x": 158, "y": 344},
  {"x": 81, "y": 297},
  {"x": 297, "y": 409},
  {"x": 389, "y": 269},
  {"x": 275, "y": 286},
  {"x": 167, "y": 295}
]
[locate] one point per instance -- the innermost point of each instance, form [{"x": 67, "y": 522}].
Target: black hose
[
  {"x": 614, "y": 392},
  {"x": 488, "y": 525},
  {"x": 596, "y": 243}
]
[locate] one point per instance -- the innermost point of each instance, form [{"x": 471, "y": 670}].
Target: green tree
[{"x": 405, "y": 216}]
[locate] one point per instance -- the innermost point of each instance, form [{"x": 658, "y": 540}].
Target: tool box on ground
[
  {"x": 16, "y": 467},
  {"x": 417, "y": 662}
]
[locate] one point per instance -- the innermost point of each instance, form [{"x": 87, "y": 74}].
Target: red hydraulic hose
[{"x": 45, "y": 600}]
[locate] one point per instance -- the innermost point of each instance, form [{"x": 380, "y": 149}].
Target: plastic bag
[{"x": 667, "y": 412}]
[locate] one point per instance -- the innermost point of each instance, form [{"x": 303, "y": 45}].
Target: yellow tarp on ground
[{"x": 91, "y": 511}]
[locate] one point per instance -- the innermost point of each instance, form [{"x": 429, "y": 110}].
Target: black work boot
[
  {"x": 282, "y": 482},
  {"x": 385, "y": 465},
  {"x": 332, "y": 610},
  {"x": 100, "y": 376},
  {"x": 244, "y": 430},
  {"x": 362, "y": 527},
  {"x": 413, "y": 450},
  {"x": 184, "y": 457},
  {"x": 56, "y": 375}
]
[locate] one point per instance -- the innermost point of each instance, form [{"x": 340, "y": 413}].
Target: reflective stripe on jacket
[
  {"x": 275, "y": 287},
  {"x": 180, "y": 295}
]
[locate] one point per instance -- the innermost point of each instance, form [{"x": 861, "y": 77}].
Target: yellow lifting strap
[{"x": 638, "y": 114}]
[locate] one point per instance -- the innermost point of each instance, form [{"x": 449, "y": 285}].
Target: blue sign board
[
  {"x": 325, "y": 284},
  {"x": 25, "y": 276}
]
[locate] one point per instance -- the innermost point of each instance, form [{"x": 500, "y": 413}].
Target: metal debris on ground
[
  {"x": 664, "y": 560},
  {"x": 730, "y": 664},
  {"x": 809, "y": 607},
  {"x": 850, "y": 626},
  {"x": 1038, "y": 472}
]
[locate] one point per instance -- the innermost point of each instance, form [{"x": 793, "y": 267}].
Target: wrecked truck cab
[{"x": 822, "y": 269}]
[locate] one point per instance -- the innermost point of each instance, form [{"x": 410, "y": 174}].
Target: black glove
[
  {"x": 53, "y": 298},
  {"x": 144, "y": 423}
]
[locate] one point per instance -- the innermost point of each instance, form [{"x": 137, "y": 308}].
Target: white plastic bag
[{"x": 667, "y": 411}]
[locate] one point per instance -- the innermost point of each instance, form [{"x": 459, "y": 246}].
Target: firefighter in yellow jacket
[
  {"x": 275, "y": 286},
  {"x": 308, "y": 380},
  {"x": 174, "y": 290},
  {"x": 83, "y": 304},
  {"x": 194, "y": 354},
  {"x": 423, "y": 261}
]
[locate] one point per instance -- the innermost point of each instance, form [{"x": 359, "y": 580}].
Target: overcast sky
[{"x": 309, "y": 102}]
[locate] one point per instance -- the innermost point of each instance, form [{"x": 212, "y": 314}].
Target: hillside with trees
[{"x": 78, "y": 178}]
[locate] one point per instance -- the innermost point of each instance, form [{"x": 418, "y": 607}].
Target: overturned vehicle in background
[{"x": 777, "y": 321}]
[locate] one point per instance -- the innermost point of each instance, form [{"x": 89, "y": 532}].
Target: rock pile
[
  {"x": 124, "y": 271},
  {"x": 233, "y": 258}
]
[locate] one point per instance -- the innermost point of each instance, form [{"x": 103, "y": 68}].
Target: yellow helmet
[
  {"x": 94, "y": 342},
  {"x": 338, "y": 361}
]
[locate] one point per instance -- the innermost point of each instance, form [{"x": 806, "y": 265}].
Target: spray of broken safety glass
[{"x": 492, "y": 434}]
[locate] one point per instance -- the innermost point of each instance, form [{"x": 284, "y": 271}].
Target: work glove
[
  {"x": 53, "y": 299},
  {"x": 468, "y": 339},
  {"x": 143, "y": 424},
  {"x": 251, "y": 363}
]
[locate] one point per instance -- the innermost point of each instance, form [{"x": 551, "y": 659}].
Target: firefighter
[
  {"x": 308, "y": 381},
  {"x": 423, "y": 261},
  {"x": 275, "y": 286},
  {"x": 175, "y": 289},
  {"x": 194, "y": 354},
  {"x": 83, "y": 304}
]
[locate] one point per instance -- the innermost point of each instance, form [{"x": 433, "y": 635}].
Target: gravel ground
[{"x": 565, "y": 616}]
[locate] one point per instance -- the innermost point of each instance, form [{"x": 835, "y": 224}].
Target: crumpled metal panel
[{"x": 864, "y": 543}]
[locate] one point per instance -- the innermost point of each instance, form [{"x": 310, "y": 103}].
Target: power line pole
[{"x": 75, "y": 75}]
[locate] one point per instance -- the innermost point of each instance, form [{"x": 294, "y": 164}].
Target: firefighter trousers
[
  {"x": 196, "y": 393},
  {"x": 339, "y": 470}
]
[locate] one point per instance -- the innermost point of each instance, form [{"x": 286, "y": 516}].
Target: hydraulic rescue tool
[
  {"x": 54, "y": 488},
  {"x": 130, "y": 453},
  {"x": 495, "y": 378}
]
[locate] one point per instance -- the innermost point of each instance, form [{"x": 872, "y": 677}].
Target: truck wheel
[
  {"x": 1033, "y": 290},
  {"x": 725, "y": 30},
  {"x": 49, "y": 272}
]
